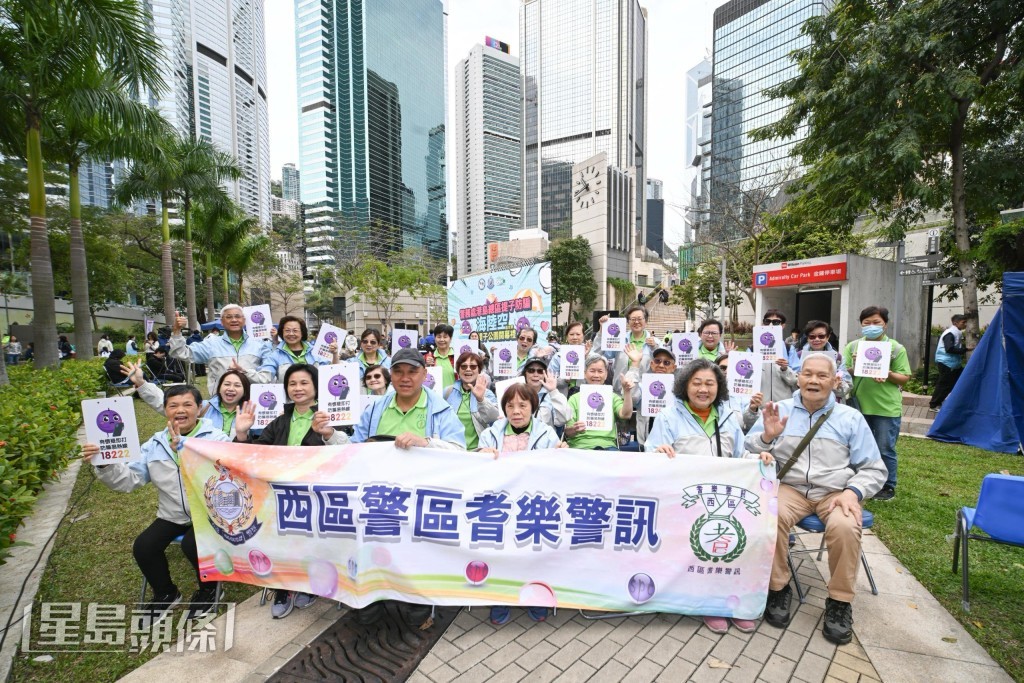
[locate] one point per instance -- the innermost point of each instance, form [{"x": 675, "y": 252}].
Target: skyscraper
[
  {"x": 753, "y": 40},
  {"x": 654, "y": 240},
  {"x": 488, "y": 168},
  {"x": 214, "y": 68},
  {"x": 371, "y": 87},
  {"x": 290, "y": 182},
  {"x": 698, "y": 147},
  {"x": 583, "y": 69}
]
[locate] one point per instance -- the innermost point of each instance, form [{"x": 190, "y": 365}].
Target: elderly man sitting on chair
[{"x": 836, "y": 466}]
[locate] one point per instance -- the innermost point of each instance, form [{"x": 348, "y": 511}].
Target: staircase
[{"x": 917, "y": 419}]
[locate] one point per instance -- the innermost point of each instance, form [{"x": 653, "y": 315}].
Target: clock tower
[{"x": 604, "y": 212}]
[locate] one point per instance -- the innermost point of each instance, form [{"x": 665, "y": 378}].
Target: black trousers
[
  {"x": 149, "y": 550},
  {"x": 947, "y": 380}
]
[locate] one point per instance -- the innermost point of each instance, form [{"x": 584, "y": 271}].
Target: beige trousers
[{"x": 842, "y": 537}]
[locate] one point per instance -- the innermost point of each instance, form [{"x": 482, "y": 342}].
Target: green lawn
[
  {"x": 92, "y": 563},
  {"x": 937, "y": 479}
]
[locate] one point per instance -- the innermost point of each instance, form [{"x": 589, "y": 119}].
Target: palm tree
[
  {"x": 99, "y": 134},
  {"x": 45, "y": 47},
  {"x": 181, "y": 171},
  {"x": 251, "y": 249},
  {"x": 203, "y": 168},
  {"x": 218, "y": 227}
]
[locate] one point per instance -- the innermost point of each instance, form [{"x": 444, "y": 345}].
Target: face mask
[{"x": 872, "y": 331}]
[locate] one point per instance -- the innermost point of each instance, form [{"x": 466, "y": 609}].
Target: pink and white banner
[{"x": 566, "y": 528}]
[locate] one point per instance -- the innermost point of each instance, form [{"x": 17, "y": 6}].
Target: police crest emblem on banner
[
  {"x": 229, "y": 507},
  {"x": 717, "y": 535}
]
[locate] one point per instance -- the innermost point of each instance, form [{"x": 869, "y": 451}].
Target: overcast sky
[{"x": 679, "y": 35}]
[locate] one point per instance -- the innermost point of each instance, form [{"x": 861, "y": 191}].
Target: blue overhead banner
[
  {"x": 498, "y": 304},
  {"x": 986, "y": 408}
]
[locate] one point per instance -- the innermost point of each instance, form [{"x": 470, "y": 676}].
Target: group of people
[{"x": 850, "y": 457}]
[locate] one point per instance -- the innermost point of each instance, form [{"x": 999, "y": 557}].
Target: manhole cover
[{"x": 388, "y": 650}]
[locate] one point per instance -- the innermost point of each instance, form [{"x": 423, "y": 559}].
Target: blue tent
[{"x": 986, "y": 408}]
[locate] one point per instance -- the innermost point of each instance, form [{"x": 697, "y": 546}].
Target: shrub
[{"x": 39, "y": 417}]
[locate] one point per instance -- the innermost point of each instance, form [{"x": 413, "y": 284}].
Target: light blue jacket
[
  {"x": 277, "y": 361},
  {"x": 217, "y": 353},
  {"x": 796, "y": 361},
  {"x": 484, "y": 413},
  {"x": 541, "y": 436},
  {"x": 159, "y": 466},
  {"x": 842, "y": 455},
  {"x": 443, "y": 428},
  {"x": 676, "y": 427}
]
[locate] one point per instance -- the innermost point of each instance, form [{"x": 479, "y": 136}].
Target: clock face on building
[{"x": 586, "y": 189}]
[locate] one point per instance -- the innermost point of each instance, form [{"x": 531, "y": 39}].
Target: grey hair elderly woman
[{"x": 595, "y": 371}]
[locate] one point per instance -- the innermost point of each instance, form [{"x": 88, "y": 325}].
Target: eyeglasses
[
  {"x": 662, "y": 361},
  {"x": 374, "y": 378},
  {"x": 232, "y": 317},
  {"x": 709, "y": 333},
  {"x": 369, "y": 342},
  {"x": 773, "y": 321},
  {"x": 469, "y": 366},
  {"x": 817, "y": 336},
  {"x": 535, "y": 371},
  {"x": 526, "y": 338},
  {"x": 636, "y": 319}
]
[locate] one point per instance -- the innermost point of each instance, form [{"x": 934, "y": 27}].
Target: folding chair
[
  {"x": 998, "y": 513},
  {"x": 145, "y": 583},
  {"x": 812, "y": 524}
]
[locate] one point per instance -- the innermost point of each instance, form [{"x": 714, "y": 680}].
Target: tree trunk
[
  {"x": 190, "y": 274},
  {"x": 241, "y": 292},
  {"x": 227, "y": 289},
  {"x": 79, "y": 270},
  {"x": 4, "y": 379},
  {"x": 211, "y": 306},
  {"x": 166, "y": 267},
  {"x": 44, "y": 317},
  {"x": 963, "y": 241}
]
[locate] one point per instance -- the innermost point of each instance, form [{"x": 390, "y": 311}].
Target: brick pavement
[{"x": 653, "y": 647}]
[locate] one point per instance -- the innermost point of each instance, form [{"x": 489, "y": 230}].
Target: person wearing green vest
[
  {"x": 595, "y": 371},
  {"x": 160, "y": 465},
  {"x": 711, "y": 346},
  {"x": 301, "y": 424},
  {"x": 413, "y": 417},
  {"x": 880, "y": 399},
  {"x": 475, "y": 404},
  {"x": 444, "y": 354}
]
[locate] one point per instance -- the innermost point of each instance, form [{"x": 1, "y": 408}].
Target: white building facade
[{"x": 488, "y": 192}]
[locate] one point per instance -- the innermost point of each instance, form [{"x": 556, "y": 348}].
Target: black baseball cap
[
  {"x": 408, "y": 357},
  {"x": 536, "y": 360}
]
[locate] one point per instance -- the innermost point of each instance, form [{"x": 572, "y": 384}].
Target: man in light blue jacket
[
  {"x": 159, "y": 465},
  {"x": 233, "y": 349},
  {"x": 840, "y": 467}
]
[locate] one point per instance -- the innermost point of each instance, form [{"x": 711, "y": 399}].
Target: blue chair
[
  {"x": 145, "y": 583},
  {"x": 998, "y": 513},
  {"x": 812, "y": 524}
]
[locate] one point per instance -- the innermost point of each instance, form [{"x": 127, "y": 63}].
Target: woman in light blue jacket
[
  {"x": 699, "y": 422},
  {"x": 518, "y": 432}
]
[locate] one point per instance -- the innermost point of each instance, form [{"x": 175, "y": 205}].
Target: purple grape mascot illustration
[
  {"x": 745, "y": 369},
  {"x": 874, "y": 354},
  {"x": 268, "y": 400},
  {"x": 110, "y": 422},
  {"x": 404, "y": 342},
  {"x": 595, "y": 401},
  {"x": 338, "y": 386},
  {"x": 257, "y": 317},
  {"x": 767, "y": 339},
  {"x": 613, "y": 330},
  {"x": 685, "y": 346},
  {"x": 330, "y": 338},
  {"x": 505, "y": 355},
  {"x": 657, "y": 389},
  {"x": 572, "y": 358}
]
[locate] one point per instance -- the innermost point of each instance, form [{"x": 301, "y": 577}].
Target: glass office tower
[
  {"x": 753, "y": 40},
  {"x": 371, "y": 87},
  {"x": 583, "y": 66}
]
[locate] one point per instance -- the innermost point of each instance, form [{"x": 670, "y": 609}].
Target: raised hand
[
  {"x": 245, "y": 419},
  {"x": 627, "y": 383},
  {"x": 550, "y": 381},
  {"x": 730, "y": 346},
  {"x": 321, "y": 424},
  {"x": 133, "y": 371},
  {"x": 773, "y": 424},
  {"x": 756, "y": 400},
  {"x": 180, "y": 322},
  {"x": 603, "y": 319},
  {"x": 652, "y": 342},
  {"x": 173, "y": 435},
  {"x": 635, "y": 355},
  {"x": 480, "y": 387}
]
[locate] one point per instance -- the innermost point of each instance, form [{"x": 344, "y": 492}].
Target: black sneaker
[
  {"x": 838, "y": 627},
  {"x": 370, "y": 614},
  {"x": 776, "y": 612},
  {"x": 887, "y": 493},
  {"x": 284, "y": 602},
  {"x": 155, "y": 612},
  {"x": 203, "y": 601},
  {"x": 415, "y": 614}
]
